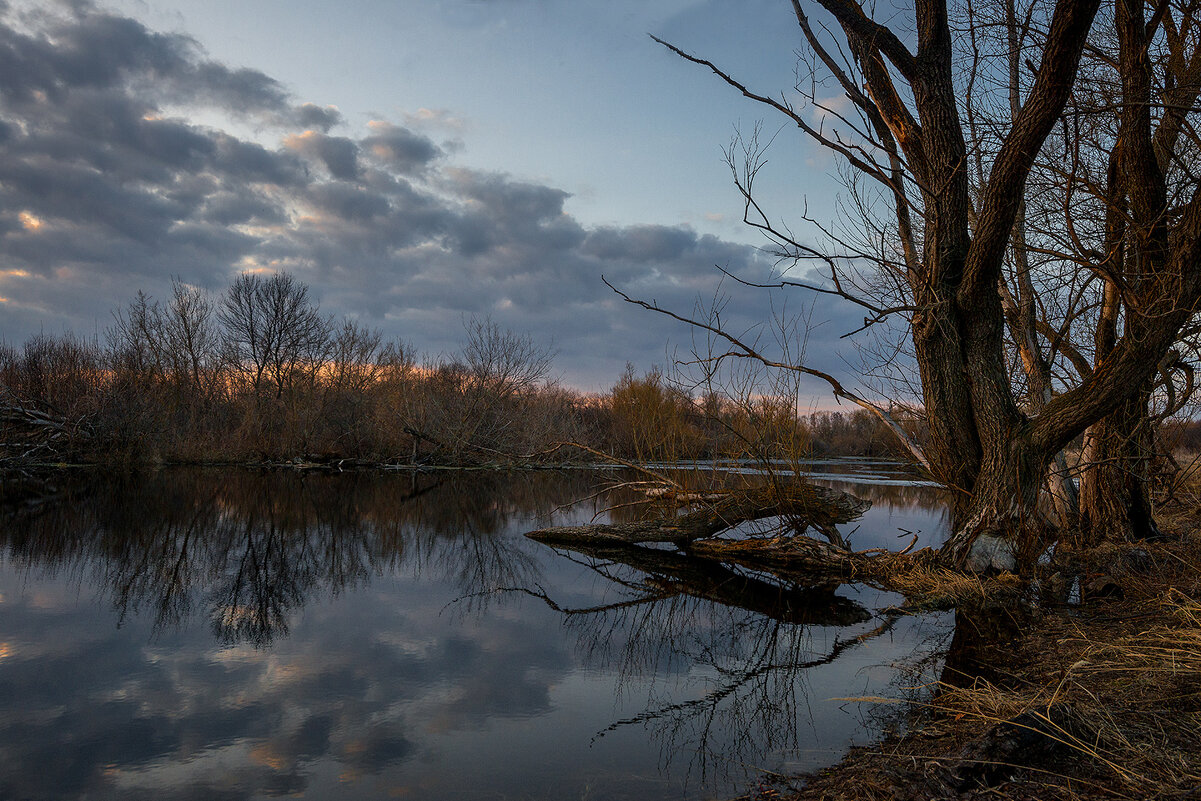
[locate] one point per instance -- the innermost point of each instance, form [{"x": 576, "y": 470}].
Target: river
[{"x": 229, "y": 634}]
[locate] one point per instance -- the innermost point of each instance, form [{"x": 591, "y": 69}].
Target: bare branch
[{"x": 748, "y": 352}]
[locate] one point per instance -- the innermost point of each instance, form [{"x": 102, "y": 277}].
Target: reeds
[
  {"x": 1132, "y": 695},
  {"x": 1104, "y": 698}
]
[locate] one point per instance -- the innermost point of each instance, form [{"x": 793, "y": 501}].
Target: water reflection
[
  {"x": 900, "y": 511},
  {"x": 752, "y": 647},
  {"x": 247, "y": 549},
  {"x": 232, "y": 635},
  {"x": 747, "y": 674}
]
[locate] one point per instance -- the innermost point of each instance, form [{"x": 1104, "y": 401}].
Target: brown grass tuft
[{"x": 1111, "y": 692}]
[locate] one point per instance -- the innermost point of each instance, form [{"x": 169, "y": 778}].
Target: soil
[{"x": 1097, "y": 699}]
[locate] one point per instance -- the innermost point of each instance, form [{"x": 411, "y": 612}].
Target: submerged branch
[{"x": 716, "y": 567}]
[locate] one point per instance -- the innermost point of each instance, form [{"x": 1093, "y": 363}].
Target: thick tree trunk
[
  {"x": 998, "y": 526},
  {"x": 982, "y": 446},
  {"x": 1114, "y": 490}
]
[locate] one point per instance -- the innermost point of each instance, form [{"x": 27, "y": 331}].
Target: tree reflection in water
[
  {"x": 754, "y": 635},
  {"x": 248, "y": 549},
  {"x": 717, "y": 665},
  {"x": 749, "y": 639}
]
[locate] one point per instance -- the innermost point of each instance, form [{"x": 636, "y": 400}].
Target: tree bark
[{"x": 1114, "y": 494}]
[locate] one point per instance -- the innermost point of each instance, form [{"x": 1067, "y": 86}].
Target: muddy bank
[{"x": 1092, "y": 700}]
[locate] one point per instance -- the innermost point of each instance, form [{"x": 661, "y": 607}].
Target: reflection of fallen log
[
  {"x": 803, "y": 505},
  {"x": 680, "y": 574}
]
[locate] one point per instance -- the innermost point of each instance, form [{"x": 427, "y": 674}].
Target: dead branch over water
[
  {"x": 703, "y": 536},
  {"x": 804, "y": 504}
]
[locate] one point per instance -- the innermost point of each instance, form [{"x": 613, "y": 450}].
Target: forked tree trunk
[{"x": 981, "y": 445}]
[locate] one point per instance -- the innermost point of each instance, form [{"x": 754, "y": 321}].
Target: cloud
[
  {"x": 399, "y": 148},
  {"x": 102, "y": 142},
  {"x": 339, "y": 154},
  {"x": 435, "y": 118},
  {"x": 309, "y": 115},
  {"x": 79, "y": 47}
]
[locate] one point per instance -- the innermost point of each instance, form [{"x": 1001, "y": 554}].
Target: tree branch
[{"x": 746, "y": 351}]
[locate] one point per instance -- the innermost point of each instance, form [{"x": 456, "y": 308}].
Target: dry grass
[
  {"x": 1108, "y": 696},
  {"x": 928, "y": 585},
  {"x": 1134, "y": 695}
]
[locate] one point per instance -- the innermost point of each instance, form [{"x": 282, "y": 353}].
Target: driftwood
[
  {"x": 794, "y": 559},
  {"x": 698, "y": 564},
  {"x": 786, "y": 555},
  {"x": 28, "y": 434},
  {"x": 802, "y": 504}
]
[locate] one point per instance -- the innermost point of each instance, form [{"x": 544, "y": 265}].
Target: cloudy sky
[{"x": 416, "y": 163}]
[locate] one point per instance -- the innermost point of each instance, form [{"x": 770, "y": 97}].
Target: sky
[{"x": 417, "y": 164}]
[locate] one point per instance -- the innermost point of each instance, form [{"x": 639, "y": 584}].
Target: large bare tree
[
  {"x": 955, "y": 210},
  {"x": 275, "y": 335}
]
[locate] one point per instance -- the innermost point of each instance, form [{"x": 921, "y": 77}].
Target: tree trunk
[
  {"x": 998, "y": 525},
  {"x": 1114, "y": 501}
]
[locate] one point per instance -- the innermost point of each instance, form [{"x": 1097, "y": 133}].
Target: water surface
[{"x": 231, "y": 635}]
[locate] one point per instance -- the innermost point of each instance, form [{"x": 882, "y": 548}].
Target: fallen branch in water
[
  {"x": 803, "y": 505},
  {"x": 792, "y": 557}
]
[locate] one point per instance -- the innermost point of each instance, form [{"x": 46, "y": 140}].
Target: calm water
[{"x": 230, "y": 635}]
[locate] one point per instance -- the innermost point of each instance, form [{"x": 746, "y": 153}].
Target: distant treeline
[
  {"x": 258, "y": 373},
  {"x": 1181, "y": 436}
]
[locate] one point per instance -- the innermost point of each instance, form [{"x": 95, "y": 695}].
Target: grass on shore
[{"x": 1096, "y": 701}]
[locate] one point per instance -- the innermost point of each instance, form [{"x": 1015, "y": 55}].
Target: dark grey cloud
[
  {"x": 339, "y": 155},
  {"x": 348, "y": 202},
  {"x": 231, "y": 208},
  {"x": 399, "y": 148},
  {"x": 310, "y": 115},
  {"x": 110, "y": 184},
  {"x": 78, "y": 46},
  {"x": 244, "y": 91},
  {"x": 245, "y": 162},
  {"x": 640, "y": 244}
]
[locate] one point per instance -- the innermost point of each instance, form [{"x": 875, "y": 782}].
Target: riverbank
[{"x": 1094, "y": 700}]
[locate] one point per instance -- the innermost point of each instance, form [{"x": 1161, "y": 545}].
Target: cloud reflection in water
[{"x": 232, "y": 635}]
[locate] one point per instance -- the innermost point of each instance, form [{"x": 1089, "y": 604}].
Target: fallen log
[
  {"x": 794, "y": 559},
  {"x": 786, "y": 555},
  {"x": 28, "y": 434},
  {"x": 803, "y": 505}
]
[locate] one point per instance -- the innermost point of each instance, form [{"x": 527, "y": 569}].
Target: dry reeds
[
  {"x": 1091, "y": 702},
  {"x": 1134, "y": 701}
]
